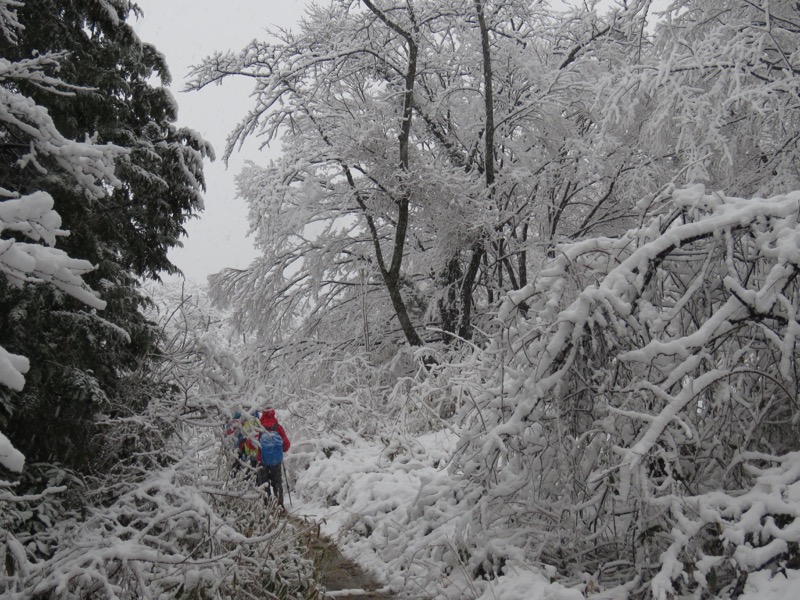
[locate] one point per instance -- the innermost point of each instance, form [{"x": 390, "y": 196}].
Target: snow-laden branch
[
  {"x": 720, "y": 90},
  {"x": 647, "y": 364},
  {"x": 90, "y": 165},
  {"x": 638, "y": 253},
  {"x": 33, "y": 217},
  {"x": 30, "y": 135},
  {"x": 21, "y": 263},
  {"x": 9, "y": 24}
]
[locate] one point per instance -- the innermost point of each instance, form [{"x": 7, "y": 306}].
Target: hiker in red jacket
[{"x": 272, "y": 474}]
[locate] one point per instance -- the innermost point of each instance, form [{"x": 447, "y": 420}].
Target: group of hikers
[{"x": 259, "y": 442}]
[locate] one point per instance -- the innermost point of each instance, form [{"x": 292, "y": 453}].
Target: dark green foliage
[
  {"x": 162, "y": 175},
  {"x": 82, "y": 362}
]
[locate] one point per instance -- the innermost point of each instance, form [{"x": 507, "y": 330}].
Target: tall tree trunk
[
  {"x": 488, "y": 97},
  {"x": 391, "y": 274},
  {"x": 478, "y": 250},
  {"x": 465, "y": 326}
]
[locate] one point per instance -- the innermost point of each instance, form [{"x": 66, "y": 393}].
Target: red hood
[{"x": 268, "y": 418}]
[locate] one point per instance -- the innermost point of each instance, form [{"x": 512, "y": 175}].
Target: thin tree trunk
[
  {"x": 465, "y": 327},
  {"x": 478, "y": 250},
  {"x": 391, "y": 275},
  {"x": 488, "y": 98}
]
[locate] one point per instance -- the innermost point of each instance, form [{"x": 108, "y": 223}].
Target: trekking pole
[{"x": 286, "y": 480}]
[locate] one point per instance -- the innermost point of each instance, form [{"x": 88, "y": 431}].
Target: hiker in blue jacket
[{"x": 269, "y": 472}]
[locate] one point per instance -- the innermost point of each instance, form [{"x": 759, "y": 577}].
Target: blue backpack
[{"x": 271, "y": 448}]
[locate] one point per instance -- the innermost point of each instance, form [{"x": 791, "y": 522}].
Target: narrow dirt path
[{"x": 342, "y": 578}]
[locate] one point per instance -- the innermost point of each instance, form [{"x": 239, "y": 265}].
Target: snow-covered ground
[{"x": 361, "y": 495}]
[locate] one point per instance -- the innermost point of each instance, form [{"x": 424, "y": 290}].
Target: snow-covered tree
[
  {"x": 643, "y": 414},
  {"x": 125, "y": 232},
  {"x": 29, "y": 225},
  {"x": 637, "y": 432},
  {"x": 718, "y": 95},
  {"x": 155, "y": 515},
  {"x": 432, "y": 153}
]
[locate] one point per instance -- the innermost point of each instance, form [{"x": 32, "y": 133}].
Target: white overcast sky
[{"x": 186, "y": 31}]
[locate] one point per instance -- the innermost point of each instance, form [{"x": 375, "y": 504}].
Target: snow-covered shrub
[
  {"x": 176, "y": 532},
  {"x": 33, "y": 524},
  {"x": 164, "y": 517},
  {"x": 332, "y": 397},
  {"x": 198, "y": 352},
  {"x": 361, "y": 497},
  {"x": 362, "y": 491},
  {"x": 638, "y": 427}
]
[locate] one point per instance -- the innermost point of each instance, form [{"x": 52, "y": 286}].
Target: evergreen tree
[{"x": 125, "y": 234}]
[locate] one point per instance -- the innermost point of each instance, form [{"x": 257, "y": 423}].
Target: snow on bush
[
  {"x": 654, "y": 378},
  {"x": 368, "y": 496},
  {"x": 633, "y": 434},
  {"x": 167, "y": 516},
  {"x": 180, "y": 531},
  {"x": 361, "y": 491}
]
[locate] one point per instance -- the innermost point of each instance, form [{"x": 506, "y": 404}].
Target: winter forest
[{"x": 526, "y": 300}]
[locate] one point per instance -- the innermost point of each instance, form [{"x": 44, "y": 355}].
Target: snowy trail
[{"x": 342, "y": 578}]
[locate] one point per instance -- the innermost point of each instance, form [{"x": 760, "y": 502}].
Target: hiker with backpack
[
  {"x": 242, "y": 433},
  {"x": 273, "y": 444}
]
